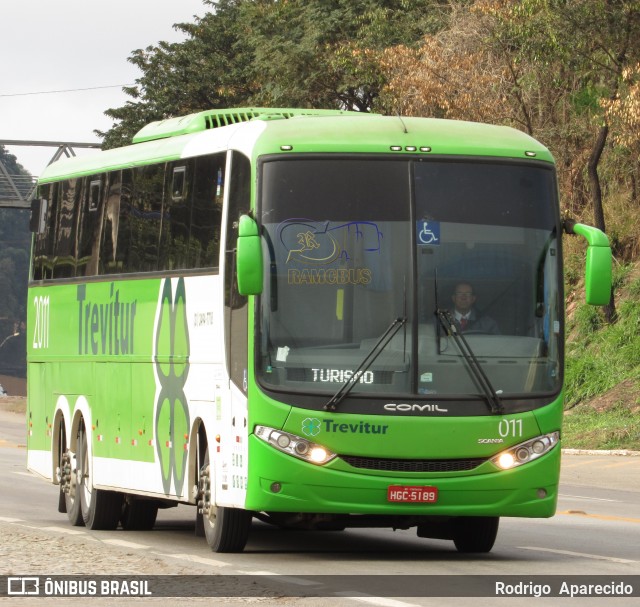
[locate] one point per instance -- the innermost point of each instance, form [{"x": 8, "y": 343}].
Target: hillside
[{"x": 603, "y": 360}]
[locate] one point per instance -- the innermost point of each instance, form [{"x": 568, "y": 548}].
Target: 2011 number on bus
[{"x": 41, "y": 327}]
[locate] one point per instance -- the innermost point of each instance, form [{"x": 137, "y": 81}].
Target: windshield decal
[
  {"x": 315, "y": 245},
  {"x": 317, "y": 242},
  {"x": 427, "y": 233},
  {"x": 341, "y": 276}
]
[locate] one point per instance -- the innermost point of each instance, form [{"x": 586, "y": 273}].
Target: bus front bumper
[{"x": 281, "y": 483}]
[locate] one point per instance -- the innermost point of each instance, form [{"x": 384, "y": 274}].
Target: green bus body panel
[
  {"x": 307, "y": 488},
  {"x": 403, "y": 437},
  {"x": 349, "y": 134},
  {"x": 339, "y": 488},
  {"x": 209, "y": 119},
  {"x": 99, "y": 345}
]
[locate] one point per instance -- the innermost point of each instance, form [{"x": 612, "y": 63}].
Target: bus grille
[{"x": 413, "y": 465}]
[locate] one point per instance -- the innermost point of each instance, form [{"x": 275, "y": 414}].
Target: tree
[
  {"x": 623, "y": 113},
  {"x": 294, "y": 53},
  {"x": 551, "y": 68},
  {"x": 15, "y": 241},
  {"x": 310, "y": 53},
  {"x": 210, "y": 69}
]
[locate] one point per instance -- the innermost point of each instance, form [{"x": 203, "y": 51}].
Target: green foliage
[
  {"x": 299, "y": 53},
  {"x": 588, "y": 319},
  {"x": 10, "y": 163},
  {"x": 620, "y": 275},
  {"x": 616, "y": 428},
  {"x": 604, "y": 355},
  {"x": 634, "y": 288},
  {"x": 15, "y": 241},
  {"x": 212, "y": 68}
]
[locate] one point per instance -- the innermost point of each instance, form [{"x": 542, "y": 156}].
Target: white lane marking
[
  {"x": 67, "y": 530},
  {"x": 597, "y": 557},
  {"x": 8, "y": 519},
  {"x": 373, "y": 600},
  {"x": 126, "y": 544},
  {"x": 589, "y": 499},
  {"x": 192, "y": 558}
]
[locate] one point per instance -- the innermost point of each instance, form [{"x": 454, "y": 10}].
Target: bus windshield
[{"x": 353, "y": 243}]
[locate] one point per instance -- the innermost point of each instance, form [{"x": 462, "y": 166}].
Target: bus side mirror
[
  {"x": 38, "y": 215},
  {"x": 249, "y": 257},
  {"x": 598, "y": 266}
]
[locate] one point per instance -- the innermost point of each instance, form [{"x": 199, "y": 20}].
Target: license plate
[{"x": 421, "y": 495}]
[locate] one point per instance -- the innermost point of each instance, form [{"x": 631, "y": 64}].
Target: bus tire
[
  {"x": 226, "y": 529},
  {"x": 69, "y": 500},
  {"x": 138, "y": 515},
  {"x": 476, "y": 533},
  {"x": 73, "y": 508},
  {"x": 100, "y": 509}
]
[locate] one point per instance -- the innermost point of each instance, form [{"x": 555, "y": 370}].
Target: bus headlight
[
  {"x": 295, "y": 445},
  {"x": 526, "y": 452}
]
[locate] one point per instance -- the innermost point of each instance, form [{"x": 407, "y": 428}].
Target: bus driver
[{"x": 466, "y": 316}]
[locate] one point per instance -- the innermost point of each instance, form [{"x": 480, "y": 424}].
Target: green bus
[{"x": 253, "y": 311}]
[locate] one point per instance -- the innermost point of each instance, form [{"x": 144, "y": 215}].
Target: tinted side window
[
  {"x": 41, "y": 266},
  {"x": 208, "y": 187},
  {"x": 193, "y": 210},
  {"x": 91, "y": 216},
  {"x": 114, "y": 247},
  {"x": 160, "y": 217},
  {"x": 146, "y": 217},
  {"x": 177, "y": 200},
  {"x": 69, "y": 196},
  {"x": 236, "y": 324}
]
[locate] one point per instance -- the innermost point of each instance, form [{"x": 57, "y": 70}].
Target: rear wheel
[
  {"x": 476, "y": 534},
  {"x": 138, "y": 514},
  {"x": 226, "y": 529},
  {"x": 70, "y": 472},
  {"x": 100, "y": 509}
]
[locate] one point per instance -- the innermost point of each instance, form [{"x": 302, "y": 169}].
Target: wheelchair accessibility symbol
[{"x": 428, "y": 232}]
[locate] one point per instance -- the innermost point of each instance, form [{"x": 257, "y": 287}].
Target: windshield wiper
[
  {"x": 368, "y": 360},
  {"x": 448, "y": 323}
]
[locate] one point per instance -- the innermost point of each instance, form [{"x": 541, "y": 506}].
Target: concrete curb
[{"x": 624, "y": 452}]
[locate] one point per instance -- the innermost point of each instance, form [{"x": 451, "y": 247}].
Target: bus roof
[{"x": 258, "y": 131}]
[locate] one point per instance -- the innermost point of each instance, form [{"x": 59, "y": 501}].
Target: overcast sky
[{"x": 52, "y": 45}]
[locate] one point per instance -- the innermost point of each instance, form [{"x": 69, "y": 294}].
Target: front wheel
[
  {"x": 226, "y": 529},
  {"x": 476, "y": 533}
]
